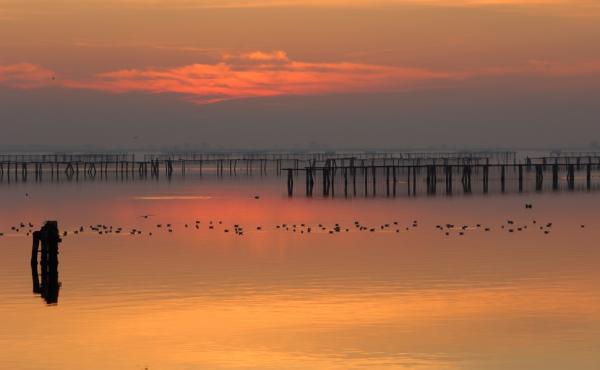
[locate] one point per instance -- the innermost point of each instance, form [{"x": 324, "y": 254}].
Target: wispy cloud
[
  {"x": 25, "y": 75},
  {"x": 264, "y": 74},
  {"x": 207, "y": 4},
  {"x": 259, "y": 74},
  {"x": 269, "y": 3},
  {"x": 592, "y": 4}
]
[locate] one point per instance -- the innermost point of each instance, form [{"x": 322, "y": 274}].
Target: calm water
[{"x": 401, "y": 297}]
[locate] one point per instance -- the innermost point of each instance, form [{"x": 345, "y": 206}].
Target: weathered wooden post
[
  {"x": 588, "y": 177},
  {"x": 520, "y": 178},
  {"x": 539, "y": 177},
  {"x": 555, "y": 176},
  {"x": 307, "y": 173},
  {"x": 290, "y": 182},
  {"x": 332, "y": 182},
  {"x": 374, "y": 174},
  {"x": 394, "y": 179},
  {"x": 428, "y": 179},
  {"x": 366, "y": 180},
  {"x": 414, "y": 183},
  {"x": 346, "y": 182},
  {"x": 353, "y": 179},
  {"x": 387, "y": 180},
  {"x": 485, "y": 178},
  {"x": 466, "y": 178},
  {"x": 325, "y": 175},
  {"x": 503, "y": 178},
  {"x": 449, "y": 179},
  {"x": 407, "y": 179},
  {"x": 571, "y": 176},
  {"x": 48, "y": 237}
]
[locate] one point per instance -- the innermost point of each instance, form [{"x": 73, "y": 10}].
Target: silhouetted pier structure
[
  {"x": 90, "y": 166},
  {"x": 448, "y": 176},
  {"x": 348, "y": 172},
  {"x": 45, "y": 243}
]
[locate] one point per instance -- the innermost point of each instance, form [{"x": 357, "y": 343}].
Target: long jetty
[
  {"x": 449, "y": 176},
  {"x": 90, "y": 166},
  {"x": 351, "y": 173}
]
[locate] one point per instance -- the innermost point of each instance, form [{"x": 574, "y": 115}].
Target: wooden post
[
  {"x": 394, "y": 180},
  {"x": 485, "y": 178},
  {"x": 366, "y": 182},
  {"x": 353, "y": 179},
  {"x": 588, "y": 178},
  {"x": 387, "y": 180},
  {"x": 290, "y": 182},
  {"x": 571, "y": 177},
  {"x": 332, "y": 182},
  {"x": 374, "y": 174},
  {"x": 520, "y": 177},
  {"x": 346, "y": 182},
  {"x": 449, "y": 179},
  {"x": 539, "y": 177},
  {"x": 414, "y": 183},
  {"x": 503, "y": 178},
  {"x": 49, "y": 238}
]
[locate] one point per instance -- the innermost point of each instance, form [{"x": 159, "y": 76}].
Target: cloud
[
  {"x": 25, "y": 75},
  {"x": 259, "y": 74},
  {"x": 344, "y": 3},
  {"x": 558, "y": 7},
  {"x": 265, "y": 74},
  {"x": 261, "y": 56}
]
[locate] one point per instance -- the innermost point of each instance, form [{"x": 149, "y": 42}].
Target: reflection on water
[{"x": 200, "y": 298}]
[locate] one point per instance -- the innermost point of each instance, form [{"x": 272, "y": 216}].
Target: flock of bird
[{"x": 509, "y": 226}]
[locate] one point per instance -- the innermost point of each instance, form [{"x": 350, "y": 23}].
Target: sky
[{"x": 281, "y": 74}]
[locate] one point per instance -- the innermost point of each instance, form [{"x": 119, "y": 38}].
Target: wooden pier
[
  {"x": 351, "y": 173},
  {"x": 371, "y": 180},
  {"x": 92, "y": 166}
]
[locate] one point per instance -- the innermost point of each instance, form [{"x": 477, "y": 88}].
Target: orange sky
[
  {"x": 217, "y": 50},
  {"x": 209, "y": 51}
]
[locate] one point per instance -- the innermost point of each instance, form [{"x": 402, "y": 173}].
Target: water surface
[{"x": 405, "y": 296}]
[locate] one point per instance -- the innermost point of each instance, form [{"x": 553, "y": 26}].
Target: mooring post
[
  {"x": 325, "y": 175},
  {"x": 307, "y": 173},
  {"x": 407, "y": 179},
  {"x": 353, "y": 179},
  {"x": 387, "y": 180},
  {"x": 332, "y": 182},
  {"x": 485, "y": 178},
  {"x": 503, "y": 178},
  {"x": 365, "y": 178},
  {"x": 571, "y": 176},
  {"x": 290, "y": 182},
  {"x": 48, "y": 237},
  {"x": 374, "y": 174},
  {"x": 394, "y": 180},
  {"x": 555, "y": 176},
  {"x": 35, "y": 249},
  {"x": 520, "y": 177},
  {"x": 346, "y": 182},
  {"x": 539, "y": 177},
  {"x": 428, "y": 179},
  {"x": 414, "y": 183},
  {"x": 588, "y": 178},
  {"x": 449, "y": 179}
]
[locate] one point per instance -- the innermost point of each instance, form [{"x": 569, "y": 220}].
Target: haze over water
[{"x": 405, "y": 296}]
